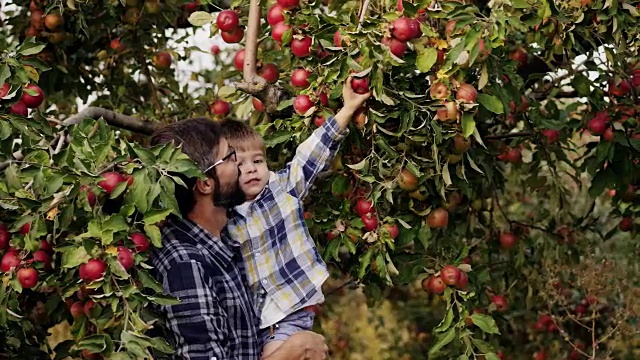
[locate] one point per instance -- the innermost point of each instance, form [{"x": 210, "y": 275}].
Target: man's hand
[
  {"x": 352, "y": 100},
  {"x": 305, "y": 345}
]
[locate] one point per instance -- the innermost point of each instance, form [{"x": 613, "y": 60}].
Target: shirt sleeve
[
  {"x": 312, "y": 156},
  {"x": 198, "y": 322}
]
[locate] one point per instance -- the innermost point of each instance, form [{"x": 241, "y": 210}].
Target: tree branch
[
  {"x": 363, "y": 11},
  {"x": 509, "y": 136},
  {"x": 114, "y": 119}
]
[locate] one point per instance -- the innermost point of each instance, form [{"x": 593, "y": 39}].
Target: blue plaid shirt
[
  {"x": 280, "y": 255},
  {"x": 215, "y": 318}
]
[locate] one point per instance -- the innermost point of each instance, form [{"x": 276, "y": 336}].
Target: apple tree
[{"x": 477, "y": 169}]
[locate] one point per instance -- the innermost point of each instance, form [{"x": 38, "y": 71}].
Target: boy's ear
[{"x": 206, "y": 186}]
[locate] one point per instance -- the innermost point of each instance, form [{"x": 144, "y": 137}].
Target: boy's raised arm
[{"x": 314, "y": 154}]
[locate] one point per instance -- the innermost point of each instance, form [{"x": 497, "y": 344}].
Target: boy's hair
[{"x": 241, "y": 135}]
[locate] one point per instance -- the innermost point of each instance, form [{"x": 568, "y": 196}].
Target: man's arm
[
  {"x": 198, "y": 322},
  {"x": 301, "y": 345},
  {"x": 315, "y": 153}
]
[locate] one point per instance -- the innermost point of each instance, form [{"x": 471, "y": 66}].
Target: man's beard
[{"x": 227, "y": 196}]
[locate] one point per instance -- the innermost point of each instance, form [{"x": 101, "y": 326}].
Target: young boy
[{"x": 283, "y": 267}]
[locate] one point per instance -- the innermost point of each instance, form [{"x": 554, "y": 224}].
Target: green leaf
[
  {"x": 365, "y": 261},
  {"x": 164, "y": 300},
  {"x": 32, "y": 48},
  {"x": 424, "y": 235},
  {"x": 5, "y": 73},
  {"x": 118, "y": 190},
  {"x": 94, "y": 343},
  {"x": 152, "y": 217},
  {"x": 161, "y": 345},
  {"x": 482, "y": 345},
  {"x": 426, "y": 59},
  {"x": 74, "y": 256},
  {"x": 200, "y": 18},
  {"x": 117, "y": 269},
  {"x": 485, "y": 323},
  {"x": 149, "y": 282},
  {"x": 446, "y": 322},
  {"x": 491, "y": 103},
  {"x": 153, "y": 232},
  {"x": 468, "y": 125},
  {"x": 491, "y": 356},
  {"x": 442, "y": 340},
  {"x": 226, "y": 91},
  {"x": 13, "y": 180},
  {"x": 115, "y": 223}
]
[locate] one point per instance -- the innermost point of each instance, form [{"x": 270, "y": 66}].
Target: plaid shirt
[
  {"x": 215, "y": 318},
  {"x": 278, "y": 250}
]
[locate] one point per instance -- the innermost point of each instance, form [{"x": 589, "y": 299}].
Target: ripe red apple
[
  {"x": 238, "y": 60},
  {"x": 45, "y": 246},
  {"x": 508, "y": 240},
  {"x": 540, "y": 355},
  {"x": 227, "y": 20},
  {"x": 370, "y": 222},
  {"x": 626, "y": 224},
  {"x": 460, "y": 144},
  {"x": 299, "y": 78},
  {"x": 141, "y": 242},
  {"x": 19, "y": 108},
  {"x": 620, "y": 89},
  {"x": 397, "y": 47},
  {"x": 257, "y": 104},
  {"x": 220, "y": 107},
  {"x": 393, "y": 230},
  {"x": 407, "y": 180},
  {"x": 91, "y": 197},
  {"x": 32, "y": 31},
  {"x": 233, "y": 36},
  {"x": 360, "y": 118},
  {"x": 635, "y": 79},
  {"x": 463, "y": 281},
  {"x": 92, "y": 270},
  {"x": 191, "y": 6},
  {"x": 302, "y": 104},
  {"x": 88, "y": 306},
  {"x": 301, "y": 47},
  {"x": 4, "y": 90},
  {"x": 467, "y": 93},
  {"x": 43, "y": 257},
  {"x": 438, "y": 218},
  {"x": 28, "y": 277},
  {"x": 551, "y": 135},
  {"x": 25, "y": 229},
  {"x": 439, "y": 91},
  {"x": 87, "y": 354},
  {"x": 416, "y": 31},
  {"x": 319, "y": 120},
  {"x": 11, "y": 259},
  {"x": 37, "y": 19},
  {"x": 448, "y": 112},
  {"x": 403, "y": 29},
  {"x": 77, "y": 309},
  {"x": 289, "y": 4},
  {"x": 337, "y": 39},
  {"x": 215, "y": 49},
  {"x": 278, "y": 29},
  {"x": 500, "y": 302},
  {"x": 111, "y": 180},
  {"x": 363, "y": 207},
  {"x": 53, "y": 21},
  {"x": 360, "y": 85},
  {"x": 450, "y": 274},
  {"x": 597, "y": 125},
  {"x": 324, "y": 98},
  {"x": 116, "y": 45},
  {"x": 434, "y": 284},
  {"x": 270, "y": 73},
  {"x": 609, "y": 134},
  {"x": 161, "y": 60},
  {"x": 513, "y": 156},
  {"x": 275, "y": 14},
  {"x": 125, "y": 257},
  {"x": 519, "y": 55},
  {"x": 5, "y": 237}
]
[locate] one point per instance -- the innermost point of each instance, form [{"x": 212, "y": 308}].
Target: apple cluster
[
  {"x": 449, "y": 275},
  {"x": 31, "y": 98}
]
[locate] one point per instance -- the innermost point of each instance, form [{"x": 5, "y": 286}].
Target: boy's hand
[{"x": 352, "y": 100}]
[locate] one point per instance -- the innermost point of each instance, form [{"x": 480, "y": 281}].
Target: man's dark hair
[{"x": 199, "y": 139}]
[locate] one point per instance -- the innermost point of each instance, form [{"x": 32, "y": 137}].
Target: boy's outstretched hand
[{"x": 352, "y": 102}]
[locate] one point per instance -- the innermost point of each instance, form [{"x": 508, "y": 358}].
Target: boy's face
[{"x": 254, "y": 173}]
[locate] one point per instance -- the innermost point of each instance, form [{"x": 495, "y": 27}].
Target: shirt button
[{"x": 264, "y": 281}]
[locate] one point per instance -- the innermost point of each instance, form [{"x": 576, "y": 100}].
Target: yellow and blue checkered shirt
[{"x": 278, "y": 251}]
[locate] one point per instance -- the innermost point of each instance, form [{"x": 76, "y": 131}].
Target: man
[{"x": 200, "y": 265}]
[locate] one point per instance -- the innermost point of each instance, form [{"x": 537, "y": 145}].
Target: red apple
[
  {"x": 5, "y": 237},
  {"x": 88, "y": 306},
  {"x": 540, "y": 355},
  {"x": 161, "y": 60},
  {"x": 238, "y": 60},
  {"x": 275, "y": 14},
  {"x": 463, "y": 281},
  {"x": 270, "y": 73},
  {"x": 233, "y": 36},
  {"x": 319, "y": 120},
  {"x": 19, "y": 108},
  {"x": 77, "y": 309},
  {"x": 91, "y": 197},
  {"x": 301, "y": 47},
  {"x": 609, "y": 134},
  {"x": 370, "y": 222},
  {"x": 393, "y": 230},
  {"x": 434, "y": 284},
  {"x": 111, "y": 180},
  {"x": 53, "y": 21},
  {"x": 28, "y": 277},
  {"x": 467, "y": 93},
  {"x": 299, "y": 78},
  {"x": 414, "y": 25},
  {"x": 513, "y": 156},
  {"x": 403, "y": 29},
  {"x": 360, "y": 85},
  {"x": 257, "y": 104},
  {"x": 278, "y": 29},
  {"x": 43, "y": 257},
  {"x": 32, "y": 101},
  {"x": 337, "y": 39},
  {"x": 116, "y": 45},
  {"x": 11, "y": 259},
  {"x": 551, "y": 135},
  {"x": 191, "y": 6},
  {"x": 289, "y": 4},
  {"x": 363, "y": 207},
  {"x": 439, "y": 91},
  {"x": 635, "y": 79},
  {"x": 508, "y": 240},
  {"x": 324, "y": 98},
  {"x": 626, "y": 224},
  {"x": 519, "y": 55},
  {"x": 227, "y": 20},
  {"x": 25, "y": 229},
  {"x": 450, "y": 274},
  {"x": 220, "y": 107},
  {"x": 141, "y": 242},
  {"x": 400, "y": 6},
  {"x": 448, "y": 112},
  {"x": 125, "y": 257},
  {"x": 620, "y": 89},
  {"x": 500, "y": 302},
  {"x": 438, "y": 218},
  {"x": 407, "y": 181},
  {"x": 4, "y": 90},
  {"x": 92, "y": 270},
  {"x": 597, "y": 125},
  {"x": 215, "y": 49},
  {"x": 45, "y": 246},
  {"x": 397, "y": 47},
  {"x": 302, "y": 104}
]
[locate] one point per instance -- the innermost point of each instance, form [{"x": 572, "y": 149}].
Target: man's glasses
[{"x": 231, "y": 154}]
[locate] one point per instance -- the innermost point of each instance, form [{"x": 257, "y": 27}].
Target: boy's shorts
[{"x": 300, "y": 320}]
